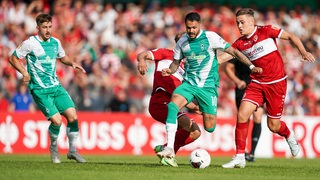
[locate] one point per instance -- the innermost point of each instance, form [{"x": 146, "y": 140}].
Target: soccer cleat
[
  {"x": 250, "y": 157},
  {"x": 236, "y": 162},
  {"x": 54, "y": 154},
  {"x": 157, "y": 149},
  {"x": 169, "y": 162},
  {"x": 76, "y": 156},
  {"x": 166, "y": 152},
  {"x": 293, "y": 144}
]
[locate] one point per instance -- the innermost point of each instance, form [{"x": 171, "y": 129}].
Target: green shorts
[
  {"x": 207, "y": 97},
  {"x": 52, "y": 100}
]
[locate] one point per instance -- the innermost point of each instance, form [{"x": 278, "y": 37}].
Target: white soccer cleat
[
  {"x": 236, "y": 162},
  {"x": 76, "y": 156},
  {"x": 166, "y": 152},
  {"x": 54, "y": 154},
  {"x": 293, "y": 144}
]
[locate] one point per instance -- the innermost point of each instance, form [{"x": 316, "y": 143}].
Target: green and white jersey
[
  {"x": 41, "y": 59},
  {"x": 201, "y": 66}
]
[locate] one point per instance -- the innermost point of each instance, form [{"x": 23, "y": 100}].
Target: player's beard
[
  {"x": 46, "y": 36},
  {"x": 192, "y": 35}
]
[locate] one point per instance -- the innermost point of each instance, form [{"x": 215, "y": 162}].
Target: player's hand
[
  {"x": 197, "y": 110},
  {"x": 26, "y": 78},
  {"x": 142, "y": 67},
  {"x": 241, "y": 84},
  {"x": 77, "y": 66},
  {"x": 256, "y": 70},
  {"x": 308, "y": 57},
  {"x": 166, "y": 72}
]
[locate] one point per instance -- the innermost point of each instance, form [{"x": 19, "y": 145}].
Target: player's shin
[
  {"x": 72, "y": 133},
  {"x": 241, "y": 136},
  {"x": 171, "y": 124},
  {"x": 53, "y": 134},
  {"x": 284, "y": 130}
]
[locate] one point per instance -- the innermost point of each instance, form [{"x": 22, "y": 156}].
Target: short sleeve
[
  {"x": 61, "y": 52},
  {"x": 217, "y": 41},
  {"x": 22, "y": 50}
]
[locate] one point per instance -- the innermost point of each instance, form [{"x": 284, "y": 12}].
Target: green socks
[
  {"x": 73, "y": 126},
  {"x": 172, "y": 113},
  {"x": 54, "y": 130}
]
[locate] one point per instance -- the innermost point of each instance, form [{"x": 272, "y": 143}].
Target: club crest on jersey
[
  {"x": 255, "y": 38},
  {"x": 202, "y": 47}
]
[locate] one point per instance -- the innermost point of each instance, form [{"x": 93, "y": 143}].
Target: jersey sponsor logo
[
  {"x": 256, "y": 50},
  {"x": 196, "y": 57},
  {"x": 260, "y": 49}
]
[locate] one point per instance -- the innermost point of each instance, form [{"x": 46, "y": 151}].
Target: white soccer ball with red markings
[{"x": 200, "y": 158}]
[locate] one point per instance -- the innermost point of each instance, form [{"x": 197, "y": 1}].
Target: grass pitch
[{"x": 33, "y": 167}]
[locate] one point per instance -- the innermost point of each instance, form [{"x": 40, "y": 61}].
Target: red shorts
[
  {"x": 158, "y": 108},
  {"x": 271, "y": 94}
]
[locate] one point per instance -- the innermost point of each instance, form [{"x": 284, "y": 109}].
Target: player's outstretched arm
[
  {"x": 241, "y": 57},
  {"x": 224, "y": 57},
  {"x": 67, "y": 61},
  {"x": 297, "y": 42},
  {"x": 142, "y": 65}
]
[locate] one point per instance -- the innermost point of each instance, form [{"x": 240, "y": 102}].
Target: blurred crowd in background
[{"x": 106, "y": 38}]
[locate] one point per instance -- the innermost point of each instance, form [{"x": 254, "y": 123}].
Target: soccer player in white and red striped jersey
[
  {"x": 163, "y": 87},
  {"x": 258, "y": 43}
]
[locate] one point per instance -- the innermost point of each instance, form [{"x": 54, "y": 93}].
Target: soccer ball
[{"x": 200, "y": 158}]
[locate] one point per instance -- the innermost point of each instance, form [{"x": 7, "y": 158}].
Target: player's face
[
  {"x": 193, "y": 28},
  {"x": 245, "y": 24},
  {"x": 44, "y": 30}
]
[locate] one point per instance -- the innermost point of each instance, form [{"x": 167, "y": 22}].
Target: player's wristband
[{"x": 251, "y": 66}]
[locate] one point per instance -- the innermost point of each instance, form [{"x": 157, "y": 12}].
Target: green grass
[{"x": 32, "y": 167}]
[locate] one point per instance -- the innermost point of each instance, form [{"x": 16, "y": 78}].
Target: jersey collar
[
  {"x": 37, "y": 37},
  {"x": 255, "y": 29}
]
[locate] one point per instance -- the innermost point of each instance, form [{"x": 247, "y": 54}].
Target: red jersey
[
  {"x": 163, "y": 58},
  {"x": 262, "y": 50}
]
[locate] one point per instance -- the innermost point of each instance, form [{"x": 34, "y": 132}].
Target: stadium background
[{"x": 106, "y": 36}]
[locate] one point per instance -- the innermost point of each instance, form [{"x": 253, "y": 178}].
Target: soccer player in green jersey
[
  {"x": 201, "y": 79},
  {"x": 41, "y": 52}
]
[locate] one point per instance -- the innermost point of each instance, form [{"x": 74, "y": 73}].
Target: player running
[
  {"x": 201, "y": 78},
  {"x": 163, "y": 86},
  {"x": 259, "y": 44}
]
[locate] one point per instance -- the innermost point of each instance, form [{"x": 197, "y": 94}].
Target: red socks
[
  {"x": 284, "y": 130},
  {"x": 241, "y": 136}
]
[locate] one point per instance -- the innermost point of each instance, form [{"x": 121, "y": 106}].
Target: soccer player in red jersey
[
  {"x": 163, "y": 87},
  {"x": 258, "y": 43}
]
